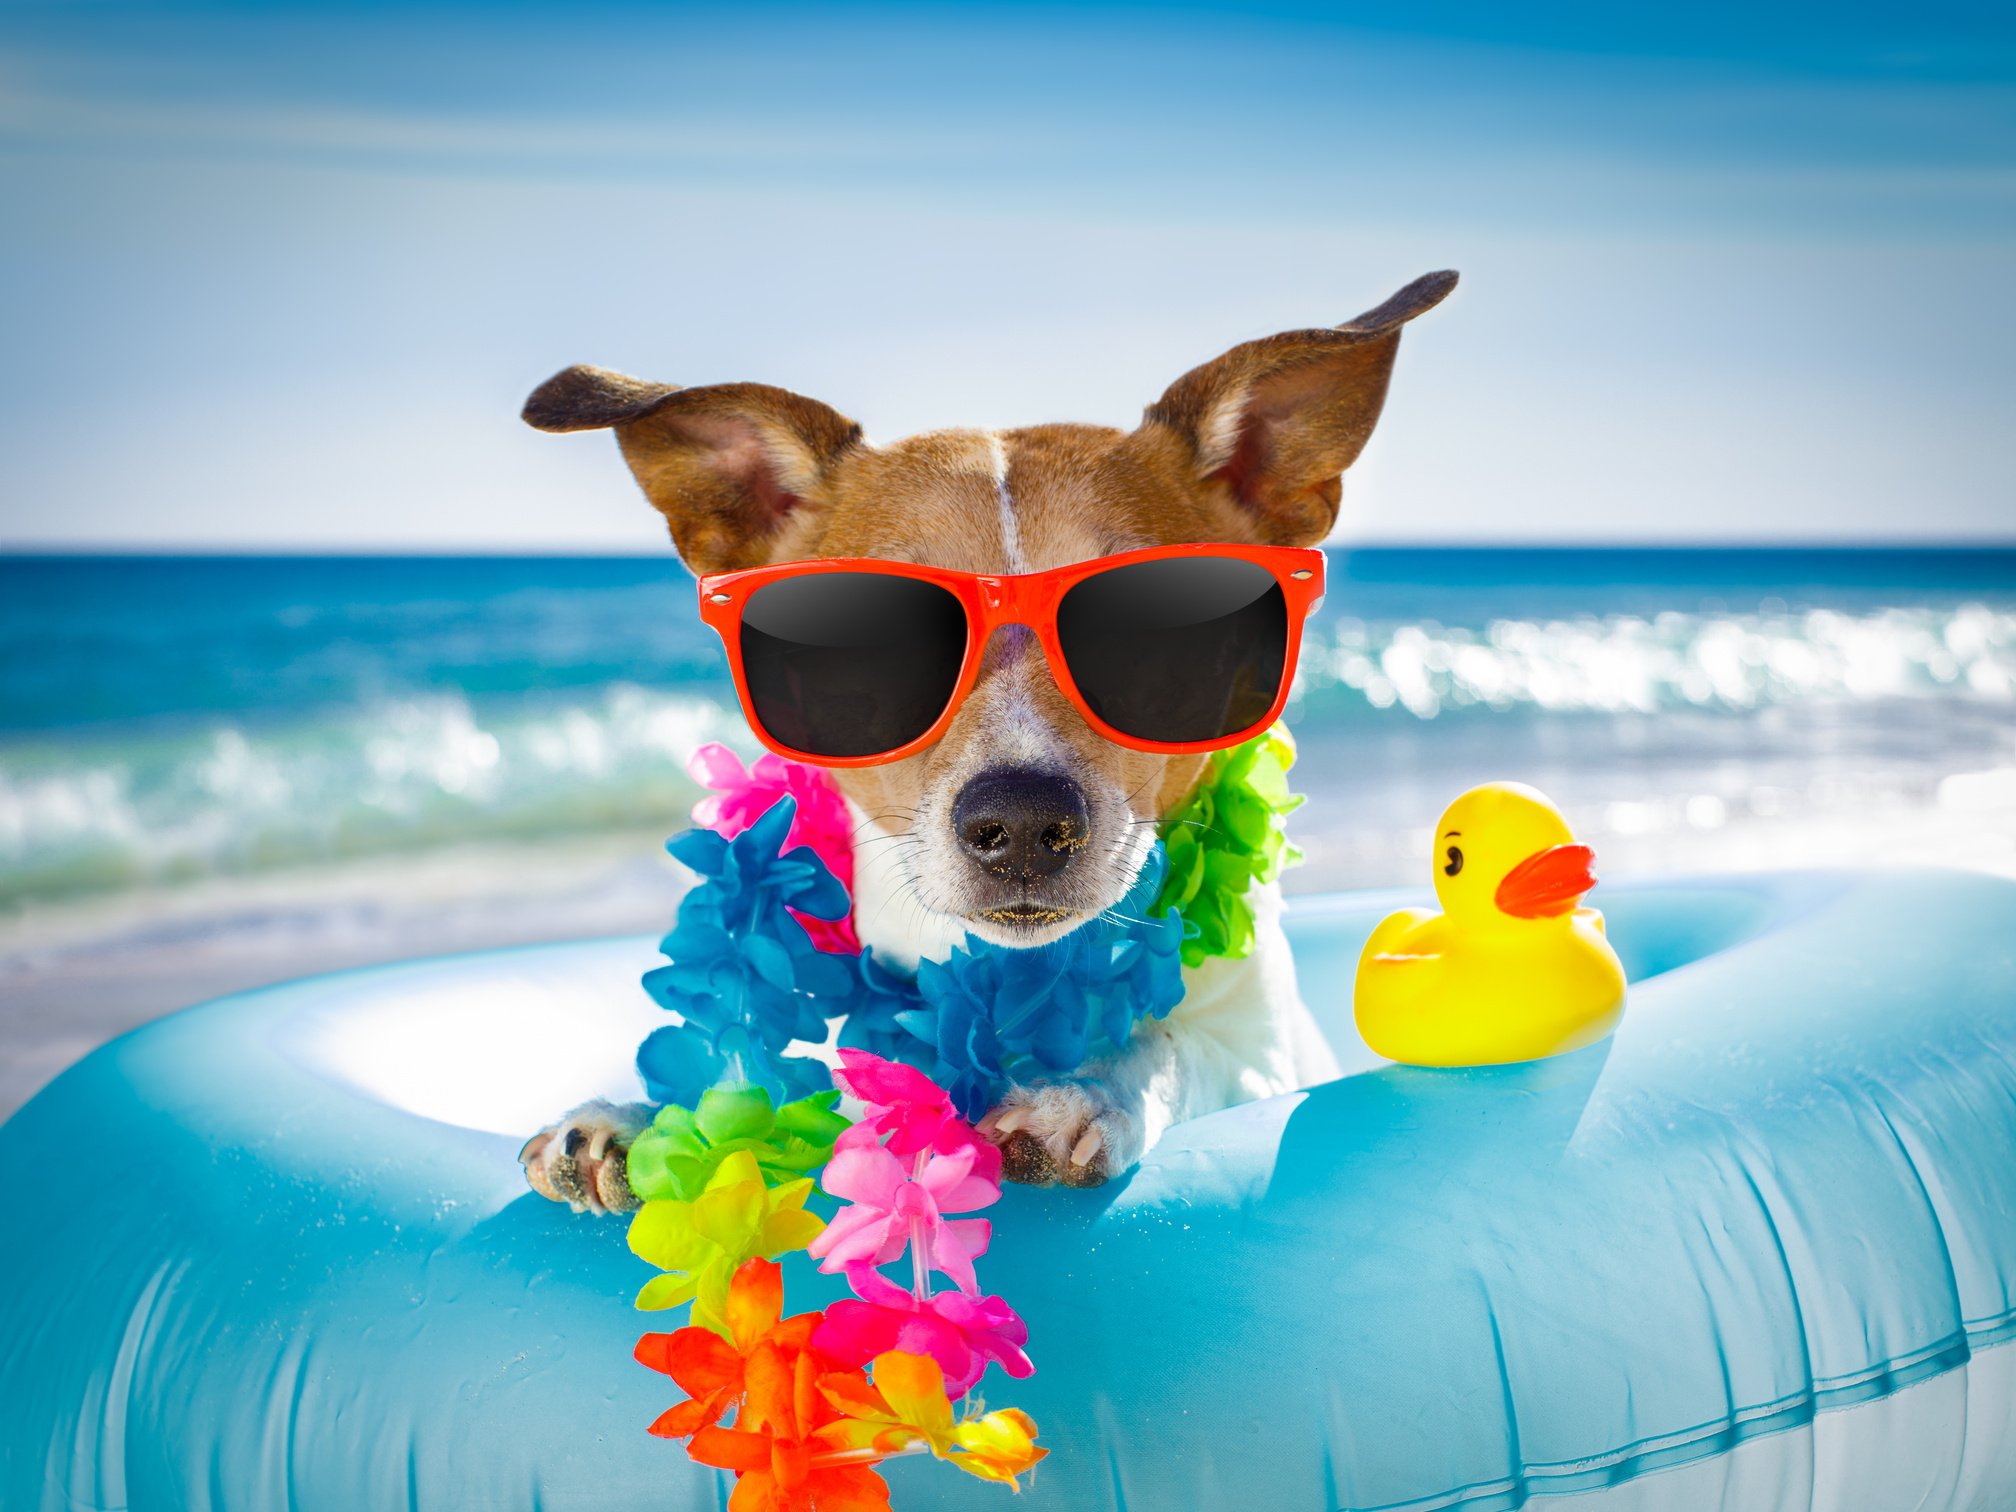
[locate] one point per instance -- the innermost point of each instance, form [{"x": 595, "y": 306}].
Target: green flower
[
  {"x": 1229, "y": 834},
  {"x": 678, "y": 1155},
  {"x": 702, "y": 1243}
]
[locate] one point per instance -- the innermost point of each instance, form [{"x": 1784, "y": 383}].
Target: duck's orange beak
[{"x": 1547, "y": 883}]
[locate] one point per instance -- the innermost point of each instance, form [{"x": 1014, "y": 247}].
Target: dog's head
[{"x": 1021, "y": 822}]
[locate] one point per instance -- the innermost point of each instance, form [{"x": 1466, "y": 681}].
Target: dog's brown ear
[
  {"x": 726, "y": 465},
  {"x": 1276, "y": 421}
]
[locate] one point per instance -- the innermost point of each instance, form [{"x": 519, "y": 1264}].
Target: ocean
[
  {"x": 164, "y": 719},
  {"x": 217, "y": 772}
]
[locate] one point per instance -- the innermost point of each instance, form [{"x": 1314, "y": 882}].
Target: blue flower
[
  {"x": 742, "y": 972},
  {"x": 956, "y": 1024},
  {"x": 875, "y": 1014},
  {"x": 990, "y": 1012},
  {"x": 748, "y": 981}
]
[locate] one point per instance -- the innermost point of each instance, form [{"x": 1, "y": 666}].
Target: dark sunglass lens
[
  {"x": 1182, "y": 649},
  {"x": 851, "y": 663}
]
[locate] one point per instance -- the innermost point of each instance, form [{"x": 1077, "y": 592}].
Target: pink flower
[
  {"x": 895, "y": 1206},
  {"x": 741, "y": 796},
  {"x": 961, "y": 1333},
  {"x": 908, "y": 1110}
]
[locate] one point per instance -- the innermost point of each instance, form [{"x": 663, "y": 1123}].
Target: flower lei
[
  {"x": 1229, "y": 834},
  {"x": 763, "y": 954}
]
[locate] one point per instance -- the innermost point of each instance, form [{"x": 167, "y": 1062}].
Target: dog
[{"x": 1248, "y": 448}]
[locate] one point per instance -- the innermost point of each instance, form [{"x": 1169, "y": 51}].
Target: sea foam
[
  {"x": 154, "y": 800},
  {"x": 95, "y": 810},
  {"x": 1623, "y": 664}
]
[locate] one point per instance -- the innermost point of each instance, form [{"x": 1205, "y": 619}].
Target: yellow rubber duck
[{"x": 1511, "y": 969}]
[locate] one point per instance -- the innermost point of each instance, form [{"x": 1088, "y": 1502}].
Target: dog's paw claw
[
  {"x": 1087, "y": 1149},
  {"x": 1065, "y": 1133},
  {"x": 583, "y": 1160}
]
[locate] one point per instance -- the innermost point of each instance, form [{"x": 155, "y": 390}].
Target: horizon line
[{"x": 74, "y": 551}]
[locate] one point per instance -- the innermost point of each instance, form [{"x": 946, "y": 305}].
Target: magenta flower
[
  {"x": 961, "y": 1333},
  {"x": 742, "y": 795},
  {"x": 908, "y": 1111},
  {"x": 897, "y": 1205}
]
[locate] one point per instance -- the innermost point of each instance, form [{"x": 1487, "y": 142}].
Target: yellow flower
[
  {"x": 997, "y": 1446},
  {"x": 701, "y": 1244}
]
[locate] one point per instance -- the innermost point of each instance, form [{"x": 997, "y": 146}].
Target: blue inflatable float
[{"x": 1758, "y": 1251}]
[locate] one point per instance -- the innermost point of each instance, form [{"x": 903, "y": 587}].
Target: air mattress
[{"x": 1758, "y": 1250}]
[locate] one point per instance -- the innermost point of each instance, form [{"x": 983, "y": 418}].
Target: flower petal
[
  {"x": 949, "y": 1254},
  {"x": 670, "y": 1290},
  {"x": 757, "y": 1492},
  {"x": 731, "y": 1449},
  {"x": 791, "y": 1464},
  {"x": 731, "y": 1215},
  {"x": 729, "y": 1112},
  {"x": 850, "y": 1392},
  {"x": 855, "y": 1235},
  {"x": 970, "y": 1234},
  {"x": 791, "y": 1194},
  {"x": 848, "y": 1488},
  {"x": 870, "y": 1285},
  {"x": 690, "y": 1417},
  {"x": 998, "y": 1446},
  {"x": 968, "y": 1192},
  {"x": 864, "y": 1174},
  {"x": 914, "y": 1388},
  {"x": 664, "y": 1234},
  {"x": 853, "y": 1333},
  {"x": 768, "y": 1396},
  {"x": 755, "y": 1303},
  {"x": 698, "y": 1360}
]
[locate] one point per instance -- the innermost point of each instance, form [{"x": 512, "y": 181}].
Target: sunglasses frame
[{"x": 992, "y": 600}]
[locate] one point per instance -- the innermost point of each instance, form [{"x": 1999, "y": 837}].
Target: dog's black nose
[{"x": 1019, "y": 825}]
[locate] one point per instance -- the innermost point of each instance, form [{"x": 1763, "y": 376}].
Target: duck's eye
[{"x": 1455, "y": 861}]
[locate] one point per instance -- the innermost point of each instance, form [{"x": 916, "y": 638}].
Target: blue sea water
[{"x": 175, "y": 717}]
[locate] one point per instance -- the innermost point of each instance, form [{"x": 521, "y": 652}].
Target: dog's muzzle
[{"x": 1021, "y": 828}]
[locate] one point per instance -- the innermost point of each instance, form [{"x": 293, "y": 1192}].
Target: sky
[{"x": 279, "y": 277}]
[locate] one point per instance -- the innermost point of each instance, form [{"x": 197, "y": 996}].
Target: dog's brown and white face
[{"x": 1021, "y": 822}]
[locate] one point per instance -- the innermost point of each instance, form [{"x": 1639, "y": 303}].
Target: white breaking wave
[
  {"x": 1628, "y": 664},
  {"x": 417, "y": 771},
  {"x": 81, "y": 811}
]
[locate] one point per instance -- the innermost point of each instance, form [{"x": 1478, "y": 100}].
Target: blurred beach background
[{"x": 1693, "y": 506}]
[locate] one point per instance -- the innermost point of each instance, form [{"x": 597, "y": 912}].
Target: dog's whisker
[
  {"x": 908, "y": 816},
  {"x": 895, "y": 840}
]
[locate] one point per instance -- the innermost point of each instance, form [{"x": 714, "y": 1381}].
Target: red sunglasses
[{"x": 1173, "y": 649}]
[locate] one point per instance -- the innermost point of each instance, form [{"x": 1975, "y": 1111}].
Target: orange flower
[
  {"x": 712, "y": 1369},
  {"x": 774, "y": 1447},
  {"x": 906, "y": 1409}
]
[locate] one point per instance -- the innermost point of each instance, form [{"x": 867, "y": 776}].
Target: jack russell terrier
[{"x": 1027, "y": 806}]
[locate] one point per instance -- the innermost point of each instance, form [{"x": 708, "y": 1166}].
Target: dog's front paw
[
  {"x": 583, "y": 1160},
  {"x": 1072, "y": 1132}
]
